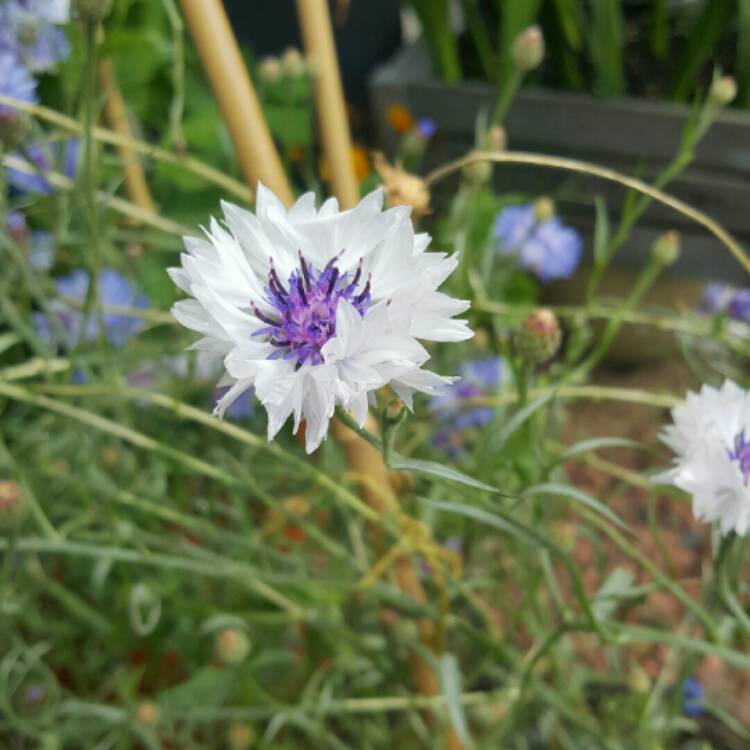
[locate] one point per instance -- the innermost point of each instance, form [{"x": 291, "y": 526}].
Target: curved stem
[{"x": 582, "y": 167}]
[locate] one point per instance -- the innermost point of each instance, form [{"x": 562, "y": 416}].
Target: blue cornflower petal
[
  {"x": 513, "y": 226},
  {"x": 15, "y": 81}
]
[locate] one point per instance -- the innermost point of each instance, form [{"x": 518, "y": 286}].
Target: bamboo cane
[
  {"x": 221, "y": 58},
  {"x": 116, "y": 114},
  {"x": 317, "y": 32}
]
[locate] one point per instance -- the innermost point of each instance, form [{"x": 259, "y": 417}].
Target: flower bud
[
  {"x": 723, "y": 91},
  {"x": 94, "y": 11},
  {"x": 538, "y": 339},
  {"x": 269, "y": 70},
  {"x": 14, "y": 127},
  {"x": 666, "y": 249},
  {"x": 293, "y": 63},
  {"x": 544, "y": 208},
  {"x": 147, "y": 714},
  {"x": 12, "y": 507},
  {"x": 241, "y": 737},
  {"x": 527, "y": 51},
  {"x": 232, "y": 646}
]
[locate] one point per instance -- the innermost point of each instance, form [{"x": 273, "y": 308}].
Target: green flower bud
[
  {"x": 14, "y": 127},
  {"x": 538, "y": 339},
  {"x": 232, "y": 646},
  {"x": 92, "y": 10},
  {"x": 527, "y": 50},
  {"x": 269, "y": 70},
  {"x": 723, "y": 90},
  {"x": 544, "y": 208},
  {"x": 293, "y": 63},
  {"x": 666, "y": 249}
]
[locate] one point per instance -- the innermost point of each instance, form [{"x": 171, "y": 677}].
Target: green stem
[
  {"x": 642, "y": 285},
  {"x": 91, "y": 304},
  {"x": 506, "y": 91}
]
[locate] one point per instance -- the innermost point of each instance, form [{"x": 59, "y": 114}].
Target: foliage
[{"x": 151, "y": 530}]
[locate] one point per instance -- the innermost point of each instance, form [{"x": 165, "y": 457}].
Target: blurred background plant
[
  {"x": 661, "y": 49},
  {"x": 169, "y": 580}
]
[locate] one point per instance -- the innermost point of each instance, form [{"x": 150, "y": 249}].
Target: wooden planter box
[{"x": 625, "y": 134}]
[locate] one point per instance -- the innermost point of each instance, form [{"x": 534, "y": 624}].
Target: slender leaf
[
  {"x": 501, "y": 437},
  {"x": 450, "y": 680},
  {"x": 434, "y": 469},
  {"x": 579, "y": 496},
  {"x": 594, "y": 444}
]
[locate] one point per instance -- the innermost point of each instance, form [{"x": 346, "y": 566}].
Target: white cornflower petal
[
  {"x": 710, "y": 436},
  {"x": 317, "y": 308}
]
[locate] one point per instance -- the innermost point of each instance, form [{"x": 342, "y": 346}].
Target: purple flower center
[
  {"x": 304, "y": 316},
  {"x": 741, "y": 454}
]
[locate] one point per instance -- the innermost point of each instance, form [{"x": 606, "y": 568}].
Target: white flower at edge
[
  {"x": 710, "y": 436},
  {"x": 316, "y": 308}
]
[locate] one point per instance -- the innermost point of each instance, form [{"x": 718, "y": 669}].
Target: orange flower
[
  {"x": 399, "y": 118},
  {"x": 360, "y": 162}
]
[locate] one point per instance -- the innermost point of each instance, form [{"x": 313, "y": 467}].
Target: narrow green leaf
[
  {"x": 432, "y": 468},
  {"x": 618, "y": 585},
  {"x": 594, "y": 444},
  {"x": 501, "y": 437},
  {"x": 450, "y": 681},
  {"x": 579, "y": 496}
]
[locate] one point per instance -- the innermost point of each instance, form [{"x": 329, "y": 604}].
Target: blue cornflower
[
  {"x": 692, "y": 697},
  {"x": 723, "y": 298},
  {"x": 739, "y": 306},
  {"x": 114, "y": 290},
  {"x": 27, "y": 30},
  {"x": 47, "y": 157},
  {"x": 478, "y": 378},
  {"x": 15, "y": 81},
  {"x": 426, "y": 127},
  {"x": 540, "y": 240}
]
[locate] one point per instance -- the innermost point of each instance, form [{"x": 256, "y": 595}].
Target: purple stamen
[
  {"x": 261, "y": 316},
  {"x": 332, "y": 282},
  {"x": 305, "y": 270},
  {"x": 741, "y": 454},
  {"x": 304, "y": 317}
]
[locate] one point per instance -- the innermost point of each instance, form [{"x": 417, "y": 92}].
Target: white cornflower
[
  {"x": 711, "y": 437},
  {"x": 316, "y": 308}
]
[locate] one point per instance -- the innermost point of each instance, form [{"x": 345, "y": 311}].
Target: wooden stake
[
  {"x": 116, "y": 115},
  {"x": 320, "y": 50},
  {"x": 221, "y": 58}
]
